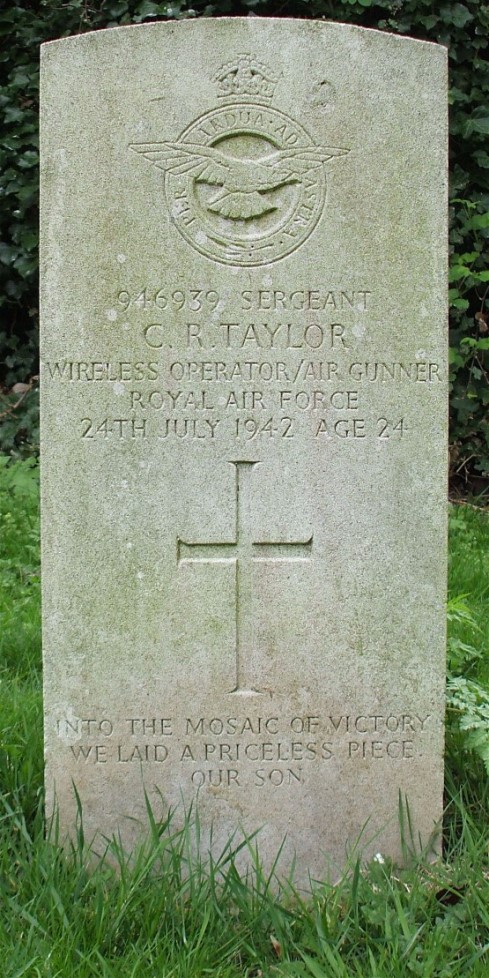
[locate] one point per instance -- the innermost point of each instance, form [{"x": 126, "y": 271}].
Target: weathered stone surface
[{"x": 244, "y": 431}]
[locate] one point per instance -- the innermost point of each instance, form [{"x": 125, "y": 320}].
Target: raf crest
[{"x": 245, "y": 184}]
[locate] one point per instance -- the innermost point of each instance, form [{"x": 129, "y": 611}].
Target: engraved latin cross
[{"x": 242, "y": 553}]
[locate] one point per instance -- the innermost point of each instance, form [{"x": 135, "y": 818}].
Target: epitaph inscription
[{"x": 244, "y": 434}]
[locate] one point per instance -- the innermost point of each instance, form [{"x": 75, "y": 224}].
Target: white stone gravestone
[{"x": 244, "y": 432}]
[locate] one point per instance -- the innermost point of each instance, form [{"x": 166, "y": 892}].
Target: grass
[
  {"x": 469, "y": 575},
  {"x": 166, "y": 916}
]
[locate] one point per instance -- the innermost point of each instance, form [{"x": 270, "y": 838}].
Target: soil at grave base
[{"x": 469, "y": 488}]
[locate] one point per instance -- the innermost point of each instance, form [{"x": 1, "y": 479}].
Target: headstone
[{"x": 244, "y": 433}]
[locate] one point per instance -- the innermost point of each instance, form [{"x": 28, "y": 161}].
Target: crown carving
[{"x": 245, "y": 77}]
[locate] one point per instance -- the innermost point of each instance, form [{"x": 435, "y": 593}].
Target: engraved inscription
[
  {"x": 276, "y": 366},
  {"x": 248, "y": 750},
  {"x": 144, "y": 299}
]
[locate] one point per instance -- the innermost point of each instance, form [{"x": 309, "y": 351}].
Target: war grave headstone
[{"x": 244, "y": 433}]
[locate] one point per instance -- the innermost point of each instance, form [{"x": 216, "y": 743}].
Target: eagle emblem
[{"x": 245, "y": 185}]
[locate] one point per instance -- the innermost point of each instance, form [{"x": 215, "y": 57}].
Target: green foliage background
[{"x": 463, "y": 27}]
